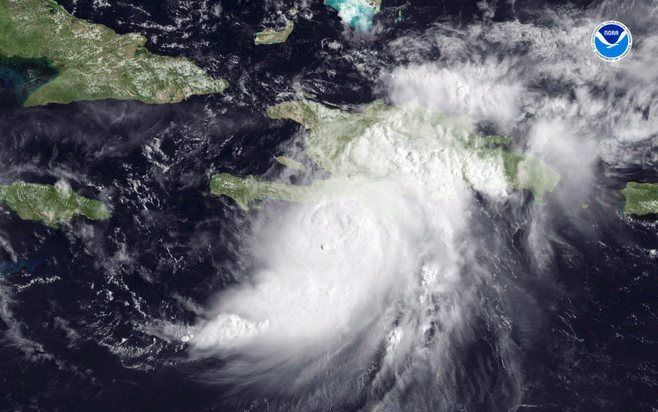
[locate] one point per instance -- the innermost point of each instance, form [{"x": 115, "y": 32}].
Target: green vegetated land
[
  {"x": 416, "y": 146},
  {"x": 641, "y": 198},
  {"x": 92, "y": 61},
  {"x": 273, "y": 36},
  {"x": 49, "y": 204}
]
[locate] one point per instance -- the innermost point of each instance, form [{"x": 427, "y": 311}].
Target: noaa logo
[{"x": 612, "y": 41}]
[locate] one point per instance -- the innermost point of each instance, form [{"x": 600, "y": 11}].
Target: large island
[
  {"x": 49, "y": 204},
  {"x": 641, "y": 198},
  {"x": 92, "y": 61},
  {"x": 384, "y": 147}
]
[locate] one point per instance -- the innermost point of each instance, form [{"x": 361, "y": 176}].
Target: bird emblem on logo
[
  {"x": 602, "y": 39},
  {"x": 611, "y": 41}
]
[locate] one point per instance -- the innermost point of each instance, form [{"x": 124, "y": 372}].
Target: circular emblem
[{"x": 612, "y": 41}]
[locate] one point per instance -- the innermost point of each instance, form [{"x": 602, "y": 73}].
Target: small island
[
  {"x": 92, "y": 61},
  {"x": 641, "y": 198},
  {"x": 51, "y": 205},
  {"x": 273, "y": 36}
]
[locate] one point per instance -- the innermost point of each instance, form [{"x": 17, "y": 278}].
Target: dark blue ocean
[{"x": 74, "y": 302}]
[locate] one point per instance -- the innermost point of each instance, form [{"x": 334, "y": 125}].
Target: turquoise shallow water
[
  {"x": 21, "y": 76},
  {"x": 357, "y": 13}
]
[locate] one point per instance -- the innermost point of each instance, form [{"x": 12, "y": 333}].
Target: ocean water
[{"x": 513, "y": 306}]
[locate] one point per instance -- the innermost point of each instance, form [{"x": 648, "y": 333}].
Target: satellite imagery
[{"x": 329, "y": 205}]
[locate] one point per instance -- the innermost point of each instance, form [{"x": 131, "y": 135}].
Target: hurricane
[
  {"x": 373, "y": 284},
  {"x": 327, "y": 206},
  {"x": 380, "y": 283},
  {"x": 402, "y": 290}
]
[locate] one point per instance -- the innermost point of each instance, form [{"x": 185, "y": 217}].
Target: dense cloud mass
[
  {"x": 379, "y": 298},
  {"x": 430, "y": 283}
]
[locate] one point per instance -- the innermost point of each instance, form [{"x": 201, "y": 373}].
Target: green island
[
  {"x": 50, "y": 204},
  {"x": 641, "y": 198},
  {"x": 358, "y": 14},
  {"x": 92, "y": 61},
  {"x": 273, "y": 36},
  {"x": 408, "y": 145}
]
